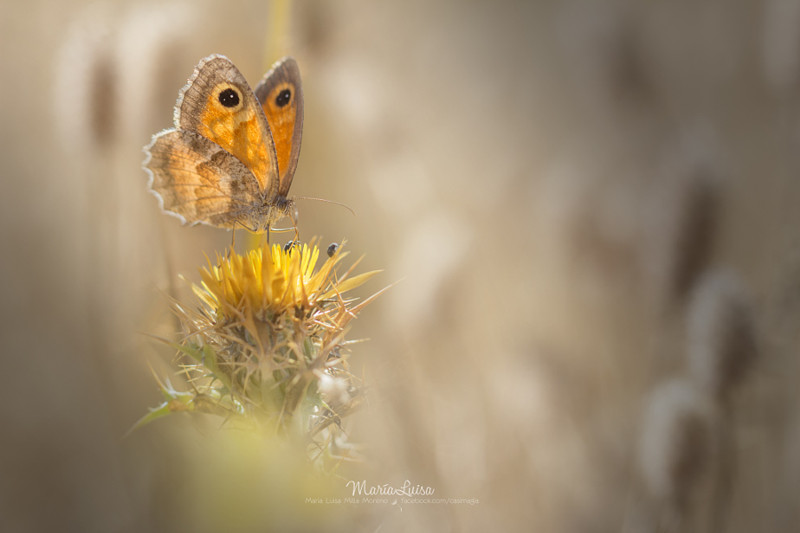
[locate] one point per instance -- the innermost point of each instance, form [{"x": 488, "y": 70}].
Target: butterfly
[{"x": 230, "y": 159}]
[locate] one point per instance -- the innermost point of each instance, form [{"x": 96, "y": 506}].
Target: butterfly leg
[
  {"x": 294, "y": 216},
  {"x": 233, "y": 240}
]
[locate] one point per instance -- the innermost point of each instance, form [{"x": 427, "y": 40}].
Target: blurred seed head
[
  {"x": 676, "y": 442},
  {"x": 605, "y": 56},
  {"x": 153, "y": 54},
  {"x": 781, "y": 46},
  {"x": 721, "y": 333},
  {"x": 85, "y": 82},
  {"x": 790, "y": 477},
  {"x": 109, "y": 73},
  {"x": 444, "y": 242},
  {"x": 683, "y": 217}
]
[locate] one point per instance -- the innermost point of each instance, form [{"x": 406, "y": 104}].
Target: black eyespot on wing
[
  {"x": 283, "y": 98},
  {"x": 229, "y": 98}
]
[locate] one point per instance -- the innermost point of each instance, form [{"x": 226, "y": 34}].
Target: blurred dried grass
[{"x": 548, "y": 179}]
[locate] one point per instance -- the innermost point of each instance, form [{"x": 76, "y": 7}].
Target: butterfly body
[{"x": 230, "y": 159}]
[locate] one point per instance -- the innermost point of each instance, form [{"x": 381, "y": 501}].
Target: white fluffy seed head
[
  {"x": 333, "y": 390},
  {"x": 721, "y": 344}
]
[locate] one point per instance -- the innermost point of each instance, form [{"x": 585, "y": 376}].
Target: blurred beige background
[{"x": 550, "y": 183}]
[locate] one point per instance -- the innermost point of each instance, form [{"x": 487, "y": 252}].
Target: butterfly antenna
[{"x": 326, "y": 201}]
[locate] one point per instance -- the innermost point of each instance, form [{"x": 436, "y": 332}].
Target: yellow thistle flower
[
  {"x": 267, "y": 342},
  {"x": 269, "y": 281}
]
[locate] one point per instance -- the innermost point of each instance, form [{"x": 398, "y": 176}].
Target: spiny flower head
[
  {"x": 267, "y": 342},
  {"x": 266, "y": 282}
]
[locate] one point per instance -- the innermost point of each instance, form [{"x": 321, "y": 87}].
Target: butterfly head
[{"x": 264, "y": 216}]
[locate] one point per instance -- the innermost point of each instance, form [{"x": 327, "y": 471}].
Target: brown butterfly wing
[
  {"x": 218, "y": 104},
  {"x": 280, "y": 93},
  {"x": 198, "y": 181}
]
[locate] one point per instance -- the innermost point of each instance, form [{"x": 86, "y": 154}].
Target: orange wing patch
[
  {"x": 218, "y": 104},
  {"x": 282, "y": 115},
  {"x": 236, "y": 130},
  {"x": 280, "y": 93}
]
